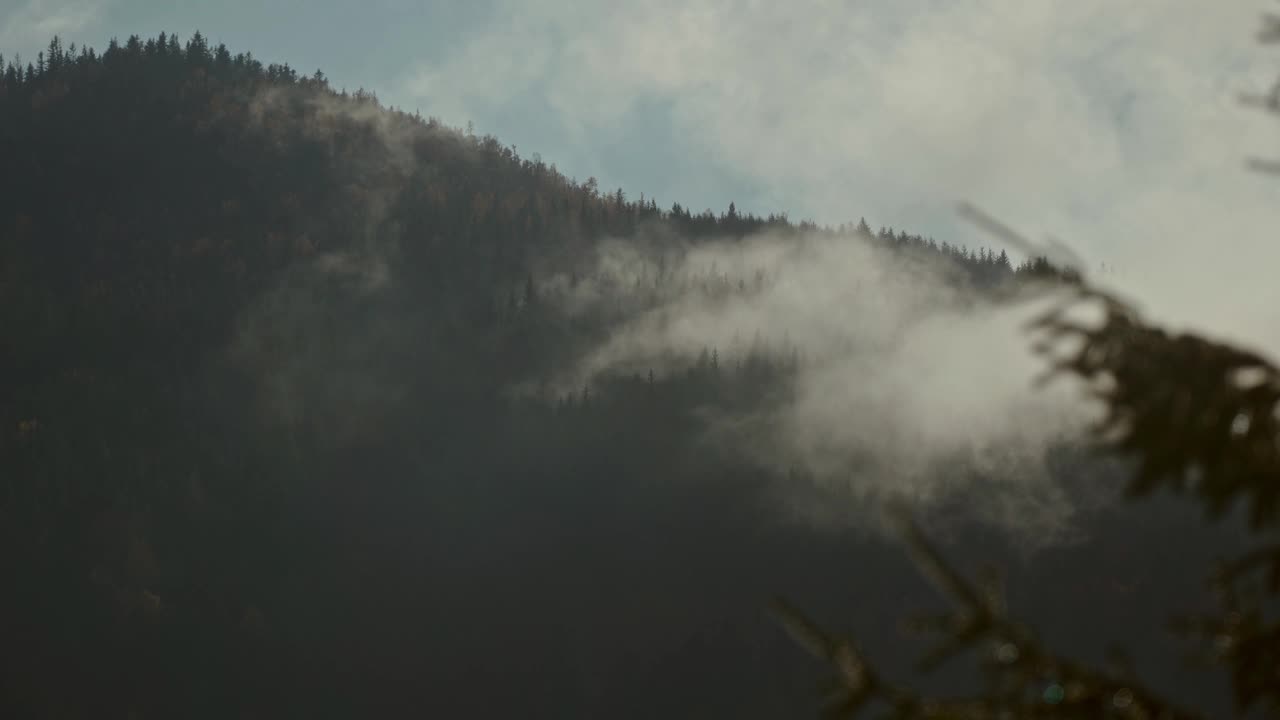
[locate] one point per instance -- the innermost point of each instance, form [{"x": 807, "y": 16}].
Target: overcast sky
[{"x": 1112, "y": 124}]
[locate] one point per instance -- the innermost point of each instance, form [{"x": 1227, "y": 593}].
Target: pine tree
[{"x": 197, "y": 52}]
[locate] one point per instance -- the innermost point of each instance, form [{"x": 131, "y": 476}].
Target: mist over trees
[{"x": 297, "y": 424}]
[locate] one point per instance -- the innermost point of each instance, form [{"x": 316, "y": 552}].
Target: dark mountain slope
[{"x": 260, "y": 455}]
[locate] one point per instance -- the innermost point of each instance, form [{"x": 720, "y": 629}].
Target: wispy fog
[{"x": 903, "y": 375}]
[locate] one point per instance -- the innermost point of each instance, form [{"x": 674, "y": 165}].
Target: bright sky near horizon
[{"x": 1112, "y": 124}]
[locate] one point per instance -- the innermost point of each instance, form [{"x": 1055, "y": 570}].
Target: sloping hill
[{"x": 265, "y": 448}]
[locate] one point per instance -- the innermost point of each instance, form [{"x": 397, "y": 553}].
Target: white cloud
[
  {"x": 1112, "y": 124},
  {"x": 907, "y": 387},
  {"x": 28, "y": 28}
]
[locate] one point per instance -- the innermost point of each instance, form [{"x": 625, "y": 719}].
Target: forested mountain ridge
[
  {"x": 222, "y": 119},
  {"x": 260, "y": 337},
  {"x": 156, "y": 190}
]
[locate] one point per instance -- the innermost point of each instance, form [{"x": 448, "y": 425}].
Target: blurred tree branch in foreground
[{"x": 1198, "y": 417}]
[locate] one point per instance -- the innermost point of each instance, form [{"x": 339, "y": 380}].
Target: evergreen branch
[{"x": 1029, "y": 681}]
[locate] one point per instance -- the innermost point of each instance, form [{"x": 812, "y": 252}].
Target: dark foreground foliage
[{"x": 1196, "y": 416}]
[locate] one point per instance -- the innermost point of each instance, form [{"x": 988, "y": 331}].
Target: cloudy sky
[{"x": 1111, "y": 124}]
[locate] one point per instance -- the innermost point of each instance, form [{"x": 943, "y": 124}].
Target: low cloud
[{"x": 904, "y": 381}]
